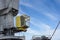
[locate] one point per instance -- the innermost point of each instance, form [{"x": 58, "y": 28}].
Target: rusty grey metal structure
[{"x": 8, "y": 10}]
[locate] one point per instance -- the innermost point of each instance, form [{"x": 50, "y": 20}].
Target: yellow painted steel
[
  {"x": 18, "y": 21},
  {"x": 23, "y": 29}
]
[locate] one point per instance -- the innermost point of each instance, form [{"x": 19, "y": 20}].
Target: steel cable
[{"x": 55, "y": 30}]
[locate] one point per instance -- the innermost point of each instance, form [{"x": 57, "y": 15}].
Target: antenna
[{"x": 55, "y": 29}]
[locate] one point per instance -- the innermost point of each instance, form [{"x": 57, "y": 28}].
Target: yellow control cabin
[{"x": 22, "y": 22}]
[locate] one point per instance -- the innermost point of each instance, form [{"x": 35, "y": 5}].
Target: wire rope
[{"x": 55, "y": 30}]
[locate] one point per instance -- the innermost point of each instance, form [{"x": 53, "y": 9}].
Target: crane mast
[{"x": 8, "y": 10}]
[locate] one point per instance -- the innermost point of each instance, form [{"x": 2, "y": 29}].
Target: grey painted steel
[
  {"x": 9, "y": 3},
  {"x": 6, "y": 21},
  {"x": 13, "y": 37},
  {"x": 1, "y": 27},
  {"x": 6, "y": 17},
  {"x": 9, "y": 21},
  {"x": 9, "y": 6},
  {"x": 8, "y": 9}
]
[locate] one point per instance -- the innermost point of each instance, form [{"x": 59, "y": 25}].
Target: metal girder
[{"x": 9, "y": 3}]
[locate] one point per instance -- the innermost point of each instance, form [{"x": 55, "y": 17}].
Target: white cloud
[
  {"x": 51, "y": 16},
  {"x": 32, "y": 31},
  {"x": 41, "y": 10},
  {"x": 40, "y": 24},
  {"x": 20, "y": 13},
  {"x": 26, "y": 4}
]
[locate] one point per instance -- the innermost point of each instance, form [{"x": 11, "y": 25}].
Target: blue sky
[{"x": 44, "y": 16}]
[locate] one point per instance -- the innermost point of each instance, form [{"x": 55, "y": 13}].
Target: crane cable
[{"x": 55, "y": 30}]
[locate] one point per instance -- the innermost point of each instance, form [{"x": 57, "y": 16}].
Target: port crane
[{"x": 8, "y": 10}]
